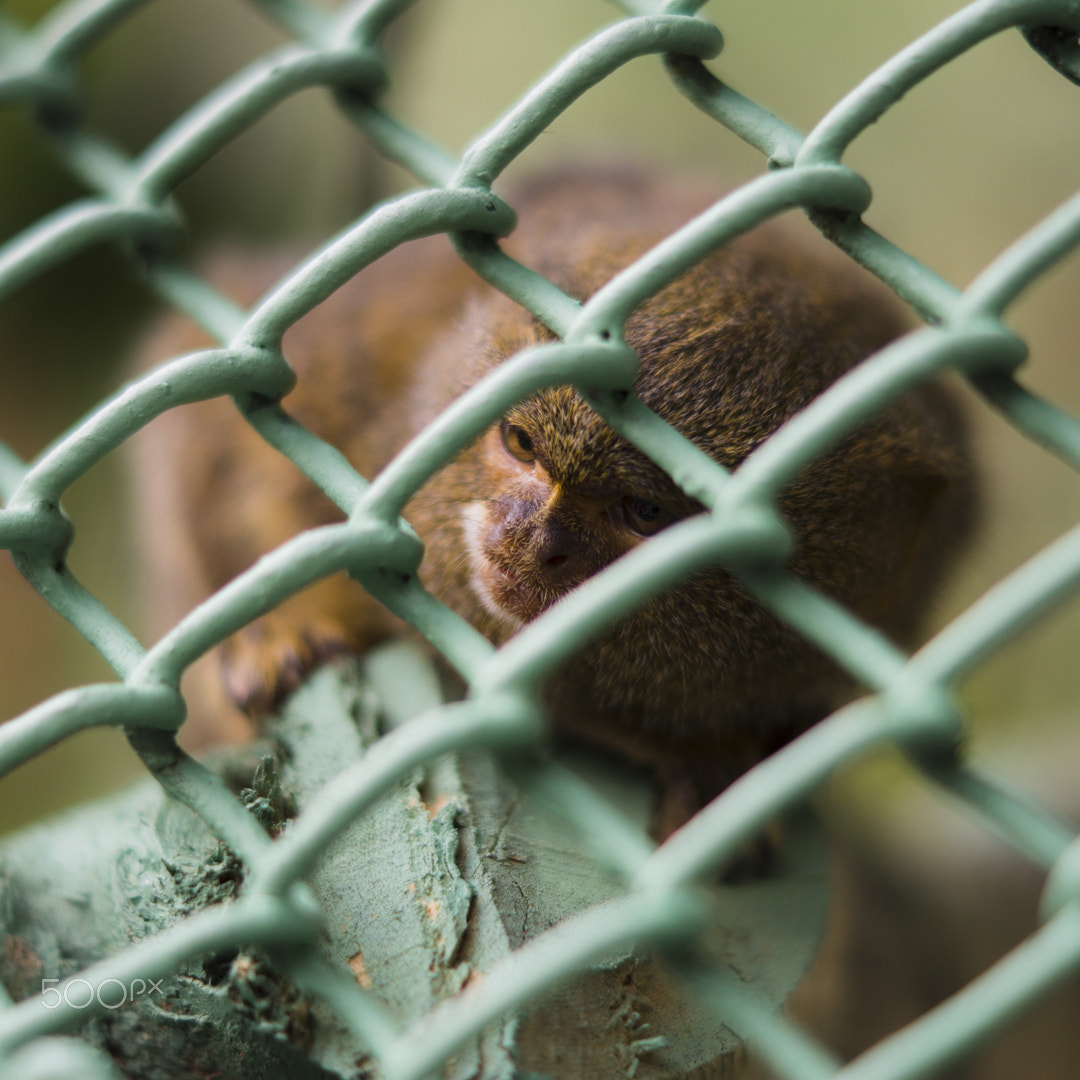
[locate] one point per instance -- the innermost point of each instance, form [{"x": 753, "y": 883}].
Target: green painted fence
[{"x": 911, "y": 700}]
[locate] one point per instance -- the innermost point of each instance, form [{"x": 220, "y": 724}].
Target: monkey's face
[
  {"x": 552, "y": 495},
  {"x": 564, "y": 497}
]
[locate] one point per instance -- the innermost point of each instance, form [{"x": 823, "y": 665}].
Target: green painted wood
[{"x": 432, "y": 890}]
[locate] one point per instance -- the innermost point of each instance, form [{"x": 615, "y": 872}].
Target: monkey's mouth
[
  {"x": 510, "y": 598},
  {"x": 507, "y": 595}
]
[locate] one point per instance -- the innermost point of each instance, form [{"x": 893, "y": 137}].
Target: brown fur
[{"x": 702, "y": 679}]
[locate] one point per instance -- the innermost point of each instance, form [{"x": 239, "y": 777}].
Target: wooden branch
[{"x": 444, "y": 876}]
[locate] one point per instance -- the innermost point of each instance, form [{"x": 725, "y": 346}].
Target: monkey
[{"x": 702, "y": 680}]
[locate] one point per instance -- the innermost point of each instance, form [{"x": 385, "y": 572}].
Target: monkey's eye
[
  {"x": 644, "y": 517},
  {"x": 518, "y": 442}
]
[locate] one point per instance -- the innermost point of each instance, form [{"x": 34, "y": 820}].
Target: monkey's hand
[
  {"x": 266, "y": 660},
  {"x": 263, "y": 663}
]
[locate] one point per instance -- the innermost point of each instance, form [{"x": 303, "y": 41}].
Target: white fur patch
[{"x": 473, "y": 524}]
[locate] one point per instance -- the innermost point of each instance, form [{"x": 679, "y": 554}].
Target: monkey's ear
[
  {"x": 946, "y": 475},
  {"x": 941, "y": 507}
]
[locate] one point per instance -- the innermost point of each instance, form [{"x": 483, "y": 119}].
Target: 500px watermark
[{"x": 109, "y": 993}]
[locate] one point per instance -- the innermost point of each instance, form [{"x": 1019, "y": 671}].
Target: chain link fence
[{"x": 911, "y": 700}]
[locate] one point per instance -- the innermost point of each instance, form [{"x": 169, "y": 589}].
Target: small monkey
[{"x": 702, "y": 681}]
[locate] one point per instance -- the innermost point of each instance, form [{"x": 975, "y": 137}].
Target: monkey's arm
[{"x": 213, "y": 496}]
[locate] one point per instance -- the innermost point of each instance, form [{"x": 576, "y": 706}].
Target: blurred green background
[{"x": 959, "y": 169}]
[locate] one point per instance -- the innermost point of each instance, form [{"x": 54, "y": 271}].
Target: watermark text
[{"x": 80, "y": 993}]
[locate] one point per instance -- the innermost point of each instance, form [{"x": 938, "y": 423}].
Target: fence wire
[{"x": 911, "y": 701}]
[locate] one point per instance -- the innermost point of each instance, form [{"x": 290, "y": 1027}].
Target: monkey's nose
[{"x": 558, "y": 554}]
